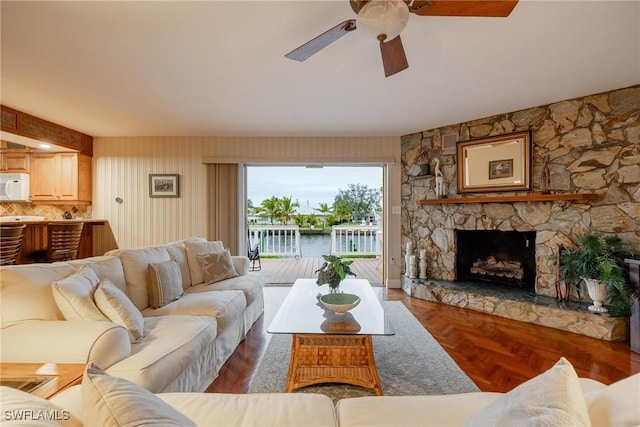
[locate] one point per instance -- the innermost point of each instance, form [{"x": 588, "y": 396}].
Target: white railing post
[
  {"x": 361, "y": 240},
  {"x": 276, "y": 240}
]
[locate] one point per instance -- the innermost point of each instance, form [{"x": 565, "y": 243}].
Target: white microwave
[{"x": 14, "y": 187}]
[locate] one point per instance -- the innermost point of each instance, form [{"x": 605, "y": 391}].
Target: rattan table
[{"x": 326, "y": 347}]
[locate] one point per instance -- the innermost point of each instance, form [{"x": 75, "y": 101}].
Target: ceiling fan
[{"x": 387, "y": 18}]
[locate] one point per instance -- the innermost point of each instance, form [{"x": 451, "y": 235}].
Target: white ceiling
[{"x": 214, "y": 68}]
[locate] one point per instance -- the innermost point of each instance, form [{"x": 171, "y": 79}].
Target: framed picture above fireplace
[{"x": 497, "y": 163}]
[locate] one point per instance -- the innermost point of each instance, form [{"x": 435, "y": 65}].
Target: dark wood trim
[
  {"x": 24, "y": 124},
  {"x": 531, "y": 197}
]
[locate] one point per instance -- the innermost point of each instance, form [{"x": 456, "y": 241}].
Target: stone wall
[{"x": 594, "y": 147}]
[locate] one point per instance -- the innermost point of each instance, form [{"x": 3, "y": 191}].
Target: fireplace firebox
[{"x": 501, "y": 257}]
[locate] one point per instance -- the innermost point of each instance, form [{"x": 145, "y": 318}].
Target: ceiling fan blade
[
  {"x": 315, "y": 45},
  {"x": 490, "y": 8},
  {"x": 394, "y": 59}
]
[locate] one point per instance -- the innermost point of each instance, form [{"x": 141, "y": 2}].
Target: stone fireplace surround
[{"x": 594, "y": 147}]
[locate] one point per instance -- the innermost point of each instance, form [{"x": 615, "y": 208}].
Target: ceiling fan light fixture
[{"x": 384, "y": 18}]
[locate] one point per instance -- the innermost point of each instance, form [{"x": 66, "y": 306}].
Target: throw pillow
[
  {"x": 74, "y": 295},
  {"x": 165, "y": 283},
  {"x": 119, "y": 309},
  {"x": 109, "y": 401},
  {"x": 217, "y": 266},
  {"x": 617, "y": 404},
  {"x": 25, "y": 409},
  {"x": 195, "y": 247},
  {"x": 553, "y": 398}
]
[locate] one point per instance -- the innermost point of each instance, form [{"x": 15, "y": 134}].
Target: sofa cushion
[
  {"x": 169, "y": 348},
  {"x": 552, "y": 398},
  {"x": 26, "y": 291},
  {"x": 108, "y": 401},
  {"x": 178, "y": 253},
  {"x": 106, "y": 267},
  {"x": 251, "y": 285},
  {"x": 617, "y": 404},
  {"x": 115, "y": 305},
  {"x": 216, "y": 266},
  {"x": 165, "y": 283},
  {"x": 135, "y": 263},
  {"x": 225, "y": 306},
  {"x": 254, "y": 410},
  {"x": 197, "y": 246},
  {"x": 25, "y": 409},
  {"x": 74, "y": 295}
]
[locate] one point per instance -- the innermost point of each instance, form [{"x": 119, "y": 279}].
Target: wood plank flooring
[
  {"x": 498, "y": 354},
  {"x": 287, "y": 270}
]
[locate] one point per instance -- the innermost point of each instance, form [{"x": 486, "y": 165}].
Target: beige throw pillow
[
  {"x": 197, "y": 246},
  {"x": 553, "y": 398},
  {"x": 119, "y": 309},
  {"x": 217, "y": 266},
  {"x": 109, "y": 401},
  {"x": 74, "y": 296},
  {"x": 165, "y": 283}
]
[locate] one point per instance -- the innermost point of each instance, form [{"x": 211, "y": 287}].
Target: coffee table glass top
[{"x": 303, "y": 313}]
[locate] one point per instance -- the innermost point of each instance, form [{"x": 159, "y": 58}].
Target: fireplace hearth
[{"x": 500, "y": 257}]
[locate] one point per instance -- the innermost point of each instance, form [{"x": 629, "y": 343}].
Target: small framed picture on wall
[{"x": 164, "y": 185}]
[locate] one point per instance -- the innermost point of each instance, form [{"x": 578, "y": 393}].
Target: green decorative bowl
[{"x": 340, "y": 303}]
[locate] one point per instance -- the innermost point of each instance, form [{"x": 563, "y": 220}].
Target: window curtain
[{"x": 223, "y": 204}]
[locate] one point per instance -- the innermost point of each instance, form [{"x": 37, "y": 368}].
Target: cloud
[{"x": 307, "y": 185}]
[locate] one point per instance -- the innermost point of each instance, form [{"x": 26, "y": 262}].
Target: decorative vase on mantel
[{"x": 598, "y": 293}]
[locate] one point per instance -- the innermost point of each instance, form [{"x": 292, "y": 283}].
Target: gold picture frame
[
  {"x": 497, "y": 163},
  {"x": 162, "y": 185}
]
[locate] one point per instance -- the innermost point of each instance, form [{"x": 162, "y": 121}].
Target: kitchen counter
[{"x": 36, "y": 236}]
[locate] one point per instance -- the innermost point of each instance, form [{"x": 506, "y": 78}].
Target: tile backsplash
[{"x": 49, "y": 212}]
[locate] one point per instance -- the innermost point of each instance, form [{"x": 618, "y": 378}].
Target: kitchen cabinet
[
  {"x": 14, "y": 158},
  {"x": 58, "y": 178}
]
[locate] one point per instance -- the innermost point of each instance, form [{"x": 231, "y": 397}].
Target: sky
[{"x": 307, "y": 186}]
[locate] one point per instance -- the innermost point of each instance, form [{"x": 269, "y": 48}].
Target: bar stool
[
  {"x": 63, "y": 242},
  {"x": 10, "y": 243}
]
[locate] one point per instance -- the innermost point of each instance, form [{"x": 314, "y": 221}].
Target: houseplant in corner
[{"x": 599, "y": 262}]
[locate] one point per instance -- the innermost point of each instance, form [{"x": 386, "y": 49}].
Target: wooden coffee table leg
[{"x": 326, "y": 358}]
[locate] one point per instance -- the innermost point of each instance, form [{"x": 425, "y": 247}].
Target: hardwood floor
[{"x": 498, "y": 354}]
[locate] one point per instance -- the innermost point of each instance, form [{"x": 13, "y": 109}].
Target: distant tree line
[{"x": 355, "y": 203}]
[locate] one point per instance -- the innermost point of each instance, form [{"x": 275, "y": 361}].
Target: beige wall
[{"x": 121, "y": 167}]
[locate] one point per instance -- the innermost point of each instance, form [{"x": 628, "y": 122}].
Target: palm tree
[
  {"x": 325, "y": 209},
  {"x": 287, "y": 209},
  {"x": 272, "y": 207}
]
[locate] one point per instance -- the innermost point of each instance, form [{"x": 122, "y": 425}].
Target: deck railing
[
  {"x": 360, "y": 240},
  {"x": 276, "y": 240}
]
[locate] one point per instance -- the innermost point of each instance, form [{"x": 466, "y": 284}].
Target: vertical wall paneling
[{"x": 122, "y": 166}]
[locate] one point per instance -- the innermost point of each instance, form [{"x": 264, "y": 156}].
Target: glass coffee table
[{"x": 326, "y": 347}]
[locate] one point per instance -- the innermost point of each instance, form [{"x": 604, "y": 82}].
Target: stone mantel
[
  {"x": 531, "y": 197},
  {"x": 593, "y": 146}
]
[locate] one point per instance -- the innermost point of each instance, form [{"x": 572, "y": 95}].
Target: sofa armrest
[
  {"x": 65, "y": 341},
  {"x": 241, "y": 264}
]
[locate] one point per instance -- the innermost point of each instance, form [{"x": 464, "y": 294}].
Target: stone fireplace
[
  {"x": 494, "y": 256},
  {"x": 593, "y": 144}
]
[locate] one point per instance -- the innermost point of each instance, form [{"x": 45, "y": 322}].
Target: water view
[{"x": 314, "y": 246}]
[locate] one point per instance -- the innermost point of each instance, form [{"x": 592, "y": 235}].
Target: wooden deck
[{"x": 286, "y": 271}]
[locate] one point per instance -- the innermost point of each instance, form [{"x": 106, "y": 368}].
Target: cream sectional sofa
[
  {"x": 554, "y": 398},
  {"x": 185, "y": 343}
]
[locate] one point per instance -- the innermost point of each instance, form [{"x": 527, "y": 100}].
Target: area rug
[{"x": 411, "y": 362}]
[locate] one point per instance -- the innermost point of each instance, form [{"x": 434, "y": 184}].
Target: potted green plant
[
  {"x": 599, "y": 262},
  {"x": 333, "y": 271}
]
